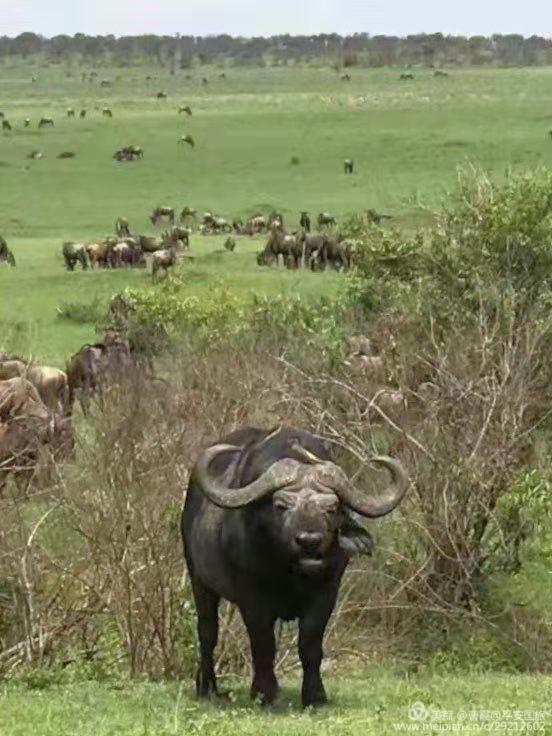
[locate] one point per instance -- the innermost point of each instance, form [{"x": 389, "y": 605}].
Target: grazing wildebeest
[
  {"x": 348, "y": 165},
  {"x": 187, "y": 139},
  {"x": 281, "y": 244},
  {"x": 43, "y": 122},
  {"x": 162, "y": 212},
  {"x": 26, "y": 122},
  {"x": 35, "y": 155},
  {"x": 134, "y": 151},
  {"x": 324, "y": 218},
  {"x": 187, "y": 214},
  {"x": 176, "y": 234},
  {"x": 336, "y": 252},
  {"x": 122, "y": 227},
  {"x": 105, "y": 83},
  {"x": 305, "y": 221},
  {"x": 107, "y": 112},
  {"x": 66, "y": 154},
  {"x": 230, "y": 244},
  {"x": 74, "y": 253},
  {"x": 27, "y": 429},
  {"x": 98, "y": 254},
  {"x": 268, "y": 525},
  {"x": 345, "y": 77},
  {"x": 126, "y": 254},
  {"x": 70, "y": 112},
  {"x": 82, "y": 114},
  {"x": 407, "y": 76},
  {"x": 185, "y": 108},
  {"x": 440, "y": 73},
  {"x": 51, "y": 383},
  {"x": 163, "y": 259},
  {"x": 6, "y": 256},
  {"x": 149, "y": 244},
  {"x": 161, "y": 95},
  {"x": 256, "y": 224},
  {"x": 6, "y": 125}
]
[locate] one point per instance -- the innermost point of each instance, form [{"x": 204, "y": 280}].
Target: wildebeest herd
[{"x": 127, "y": 249}]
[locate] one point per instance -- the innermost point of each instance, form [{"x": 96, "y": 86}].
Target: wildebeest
[
  {"x": 161, "y": 95},
  {"x": 163, "y": 259},
  {"x": 51, "y": 383},
  {"x": 74, "y": 253},
  {"x": 324, "y": 218},
  {"x": 440, "y": 73},
  {"x": 305, "y": 221},
  {"x": 98, "y": 253},
  {"x": 149, "y": 244},
  {"x": 70, "y": 112},
  {"x": 126, "y": 254},
  {"x": 282, "y": 244},
  {"x": 406, "y": 76},
  {"x": 177, "y": 233},
  {"x": 187, "y": 139},
  {"x": 82, "y": 114},
  {"x": 122, "y": 227},
  {"x": 204, "y": 80},
  {"x": 105, "y": 83},
  {"x": 6, "y": 256},
  {"x": 230, "y": 244},
  {"x": 6, "y": 125},
  {"x": 185, "y": 108},
  {"x": 345, "y": 77},
  {"x": 187, "y": 214},
  {"x": 94, "y": 366},
  {"x": 43, "y": 122},
  {"x": 267, "y": 524},
  {"x": 348, "y": 165},
  {"x": 36, "y": 155},
  {"x": 107, "y": 112},
  {"x": 162, "y": 212},
  {"x": 66, "y": 154},
  {"x": 29, "y": 431}
]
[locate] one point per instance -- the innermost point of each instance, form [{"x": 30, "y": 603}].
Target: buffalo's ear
[{"x": 354, "y": 538}]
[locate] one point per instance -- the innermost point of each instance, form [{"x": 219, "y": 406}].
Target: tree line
[{"x": 361, "y": 49}]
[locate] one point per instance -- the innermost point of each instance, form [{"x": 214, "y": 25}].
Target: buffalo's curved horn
[
  {"x": 382, "y": 504},
  {"x": 281, "y": 474}
]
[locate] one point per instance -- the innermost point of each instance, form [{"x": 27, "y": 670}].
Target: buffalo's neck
[{"x": 257, "y": 564}]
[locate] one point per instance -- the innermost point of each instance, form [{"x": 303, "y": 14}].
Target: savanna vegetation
[{"x": 453, "y": 295}]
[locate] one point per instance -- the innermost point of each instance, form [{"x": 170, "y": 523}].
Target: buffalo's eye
[{"x": 280, "y": 505}]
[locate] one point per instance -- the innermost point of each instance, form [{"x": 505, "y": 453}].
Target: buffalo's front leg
[
  {"x": 263, "y": 650},
  {"x": 207, "y": 629},
  {"x": 311, "y": 634}
]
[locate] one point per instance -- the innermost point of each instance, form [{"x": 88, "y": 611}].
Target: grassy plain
[
  {"x": 371, "y": 703},
  {"x": 407, "y": 139}
]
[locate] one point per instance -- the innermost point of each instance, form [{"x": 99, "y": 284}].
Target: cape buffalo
[{"x": 267, "y": 525}]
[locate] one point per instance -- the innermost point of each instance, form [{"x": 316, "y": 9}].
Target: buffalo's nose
[{"x": 308, "y": 541}]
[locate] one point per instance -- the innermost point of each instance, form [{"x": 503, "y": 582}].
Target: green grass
[
  {"x": 406, "y": 139},
  {"x": 375, "y": 703}
]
